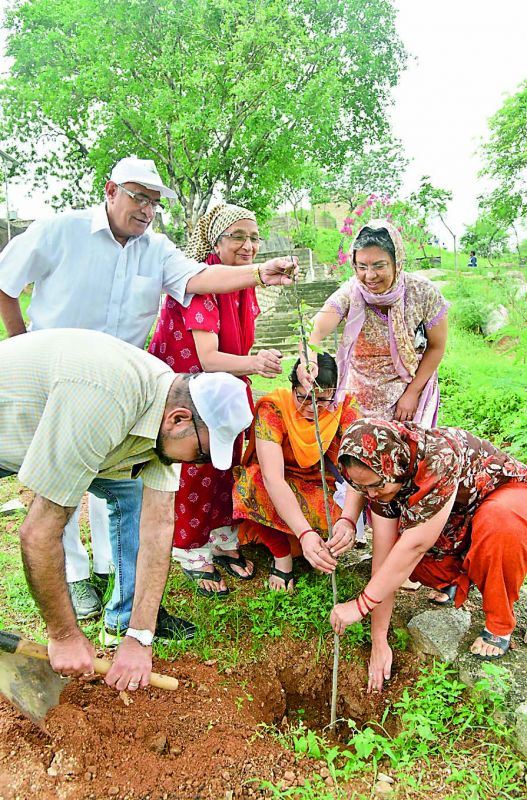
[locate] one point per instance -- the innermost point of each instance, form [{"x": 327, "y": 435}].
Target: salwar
[
  {"x": 195, "y": 558},
  {"x": 496, "y": 561}
]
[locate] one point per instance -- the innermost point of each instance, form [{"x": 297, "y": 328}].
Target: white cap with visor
[
  {"x": 221, "y": 401},
  {"x": 142, "y": 171}
]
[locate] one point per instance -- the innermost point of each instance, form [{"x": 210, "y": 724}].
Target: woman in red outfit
[
  {"x": 449, "y": 510},
  {"x": 214, "y": 333}
]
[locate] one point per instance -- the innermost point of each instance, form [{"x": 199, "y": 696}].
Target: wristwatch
[{"x": 144, "y": 637}]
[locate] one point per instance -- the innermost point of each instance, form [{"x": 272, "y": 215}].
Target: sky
[{"x": 466, "y": 56}]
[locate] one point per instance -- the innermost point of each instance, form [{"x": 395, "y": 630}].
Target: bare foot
[
  {"x": 243, "y": 572},
  {"x": 277, "y": 584},
  {"x": 482, "y": 648}
]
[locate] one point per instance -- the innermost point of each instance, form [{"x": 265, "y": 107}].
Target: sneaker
[
  {"x": 168, "y": 629},
  {"x": 84, "y": 599}
]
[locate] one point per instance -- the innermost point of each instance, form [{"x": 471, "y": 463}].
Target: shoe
[
  {"x": 450, "y": 591},
  {"x": 287, "y": 577},
  {"x": 84, "y": 599},
  {"x": 226, "y": 561},
  {"x": 501, "y": 642},
  {"x": 168, "y": 629},
  {"x": 196, "y": 575}
]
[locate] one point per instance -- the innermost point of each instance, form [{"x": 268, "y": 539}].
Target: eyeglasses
[
  {"x": 142, "y": 200},
  {"x": 308, "y": 399},
  {"x": 381, "y": 266},
  {"x": 203, "y": 457},
  {"x": 241, "y": 238},
  {"x": 362, "y": 488}
]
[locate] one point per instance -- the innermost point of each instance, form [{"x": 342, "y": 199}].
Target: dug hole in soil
[{"x": 204, "y": 740}]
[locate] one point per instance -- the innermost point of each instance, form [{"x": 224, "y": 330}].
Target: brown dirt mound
[{"x": 203, "y": 741}]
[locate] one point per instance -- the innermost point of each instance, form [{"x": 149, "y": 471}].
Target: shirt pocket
[{"x": 145, "y": 296}]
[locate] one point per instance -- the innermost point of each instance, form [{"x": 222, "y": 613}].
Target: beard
[{"x": 161, "y": 452}]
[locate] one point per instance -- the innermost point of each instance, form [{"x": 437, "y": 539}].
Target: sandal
[
  {"x": 196, "y": 575},
  {"x": 448, "y": 590},
  {"x": 287, "y": 577},
  {"x": 240, "y": 561},
  {"x": 500, "y": 642}
]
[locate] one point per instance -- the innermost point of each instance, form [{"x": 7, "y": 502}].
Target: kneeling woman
[
  {"x": 278, "y": 487},
  {"x": 448, "y": 510}
]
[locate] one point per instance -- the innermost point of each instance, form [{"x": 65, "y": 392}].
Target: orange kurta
[{"x": 275, "y": 422}]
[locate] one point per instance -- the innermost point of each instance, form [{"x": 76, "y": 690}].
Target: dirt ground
[{"x": 206, "y": 740}]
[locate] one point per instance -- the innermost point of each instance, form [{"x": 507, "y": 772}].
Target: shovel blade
[{"x": 30, "y": 684}]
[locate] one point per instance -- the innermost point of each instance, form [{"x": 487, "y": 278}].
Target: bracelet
[
  {"x": 257, "y": 277},
  {"x": 308, "y": 530},
  {"x": 375, "y": 602},
  {"x": 361, "y": 612},
  {"x": 348, "y": 519}
]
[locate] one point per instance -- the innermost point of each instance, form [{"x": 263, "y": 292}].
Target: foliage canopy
[{"x": 228, "y": 96}]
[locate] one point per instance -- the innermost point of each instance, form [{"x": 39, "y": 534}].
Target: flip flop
[
  {"x": 287, "y": 577},
  {"x": 448, "y": 590},
  {"x": 240, "y": 561},
  {"x": 500, "y": 642},
  {"x": 196, "y": 575}
]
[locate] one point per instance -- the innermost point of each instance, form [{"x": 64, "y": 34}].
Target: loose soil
[{"x": 206, "y": 740}]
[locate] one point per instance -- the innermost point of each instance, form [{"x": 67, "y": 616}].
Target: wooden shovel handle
[{"x": 12, "y": 643}]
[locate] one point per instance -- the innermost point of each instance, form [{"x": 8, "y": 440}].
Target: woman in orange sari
[{"x": 278, "y": 488}]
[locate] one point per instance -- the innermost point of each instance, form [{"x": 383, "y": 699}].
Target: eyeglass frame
[
  {"x": 361, "y": 487},
  {"x": 324, "y": 401},
  {"x": 203, "y": 457},
  {"x": 145, "y": 201},
  {"x": 237, "y": 237},
  {"x": 376, "y": 268}
]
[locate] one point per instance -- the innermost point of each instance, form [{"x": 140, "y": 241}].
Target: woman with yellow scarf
[{"x": 278, "y": 488}]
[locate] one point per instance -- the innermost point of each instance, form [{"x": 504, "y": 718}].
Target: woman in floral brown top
[
  {"x": 394, "y": 334},
  {"x": 449, "y": 510}
]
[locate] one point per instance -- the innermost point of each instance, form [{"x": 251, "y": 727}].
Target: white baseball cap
[
  {"x": 140, "y": 170},
  {"x": 221, "y": 401}
]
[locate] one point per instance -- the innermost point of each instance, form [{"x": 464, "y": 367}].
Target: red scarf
[{"x": 237, "y": 322}]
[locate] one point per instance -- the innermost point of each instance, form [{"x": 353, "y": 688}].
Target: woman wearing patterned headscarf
[
  {"x": 449, "y": 510},
  {"x": 394, "y": 334},
  {"x": 213, "y": 333}
]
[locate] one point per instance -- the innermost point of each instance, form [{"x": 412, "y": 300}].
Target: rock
[
  {"x": 11, "y": 507},
  {"x": 157, "y": 742},
  {"x": 497, "y": 319},
  {"x": 289, "y": 776},
  {"x": 521, "y": 728},
  {"x": 113, "y": 791},
  {"x": 439, "y": 633},
  {"x": 382, "y": 787},
  {"x": 324, "y": 772},
  {"x": 383, "y": 778},
  {"x": 521, "y": 292},
  {"x": 63, "y": 764}
]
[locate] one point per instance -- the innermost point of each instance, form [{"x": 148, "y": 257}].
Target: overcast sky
[{"x": 467, "y": 55}]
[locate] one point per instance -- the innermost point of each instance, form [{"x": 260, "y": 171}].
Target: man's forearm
[
  {"x": 43, "y": 559},
  {"x": 11, "y": 314},
  {"x": 153, "y": 559}
]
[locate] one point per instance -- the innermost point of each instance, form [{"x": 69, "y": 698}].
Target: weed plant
[{"x": 438, "y": 724}]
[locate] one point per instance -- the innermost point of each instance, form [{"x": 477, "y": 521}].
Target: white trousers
[
  {"x": 77, "y": 558},
  {"x": 224, "y": 538}
]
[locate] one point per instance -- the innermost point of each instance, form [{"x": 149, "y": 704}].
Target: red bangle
[
  {"x": 361, "y": 612},
  {"x": 309, "y": 530},
  {"x": 348, "y": 519},
  {"x": 367, "y": 597}
]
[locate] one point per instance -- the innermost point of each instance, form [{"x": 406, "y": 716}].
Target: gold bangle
[{"x": 257, "y": 277}]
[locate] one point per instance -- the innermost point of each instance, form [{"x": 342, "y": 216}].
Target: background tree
[
  {"x": 505, "y": 156},
  {"x": 486, "y": 236},
  {"x": 431, "y": 201},
  {"x": 229, "y": 97}
]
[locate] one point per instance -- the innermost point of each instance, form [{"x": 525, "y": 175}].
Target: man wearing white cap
[
  {"x": 104, "y": 269},
  {"x": 81, "y": 411}
]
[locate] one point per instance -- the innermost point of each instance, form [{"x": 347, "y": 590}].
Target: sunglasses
[{"x": 203, "y": 457}]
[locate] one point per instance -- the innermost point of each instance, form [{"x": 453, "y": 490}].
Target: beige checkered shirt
[{"x": 76, "y": 405}]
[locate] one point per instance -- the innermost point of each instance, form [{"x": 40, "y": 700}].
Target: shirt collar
[
  {"x": 149, "y": 423},
  {"x": 100, "y": 222}
]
